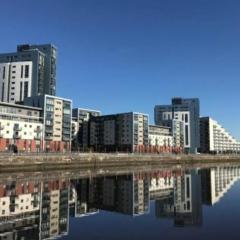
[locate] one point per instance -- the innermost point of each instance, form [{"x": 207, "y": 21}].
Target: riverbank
[{"x": 48, "y": 162}]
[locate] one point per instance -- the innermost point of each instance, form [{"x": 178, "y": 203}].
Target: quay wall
[{"x": 43, "y": 162}]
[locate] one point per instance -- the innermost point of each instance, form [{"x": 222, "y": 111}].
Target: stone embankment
[{"x": 41, "y": 162}]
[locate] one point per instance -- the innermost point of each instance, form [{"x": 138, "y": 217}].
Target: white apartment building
[
  {"x": 160, "y": 136},
  {"x": 15, "y": 81},
  {"x": 21, "y": 128},
  {"x": 216, "y": 139}
]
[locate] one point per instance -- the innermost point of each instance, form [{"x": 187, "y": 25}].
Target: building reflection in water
[
  {"x": 183, "y": 201},
  {"x": 33, "y": 209},
  {"x": 81, "y": 198},
  {"x": 127, "y": 194},
  {"x": 40, "y": 209}
]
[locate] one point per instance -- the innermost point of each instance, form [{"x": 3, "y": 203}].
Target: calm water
[{"x": 161, "y": 204}]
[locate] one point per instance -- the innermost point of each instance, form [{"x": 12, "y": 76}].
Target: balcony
[
  {"x": 65, "y": 138},
  {"x": 48, "y": 137},
  {"x": 17, "y": 128},
  {"x": 37, "y": 138},
  {"x": 37, "y": 130},
  {"x": 66, "y": 132},
  {"x": 48, "y": 130},
  {"x": 17, "y": 136}
]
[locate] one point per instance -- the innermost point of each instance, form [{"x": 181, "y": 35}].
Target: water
[{"x": 164, "y": 203}]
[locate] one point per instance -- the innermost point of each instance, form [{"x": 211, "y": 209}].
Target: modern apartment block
[
  {"x": 185, "y": 111},
  {"x": 81, "y": 117},
  {"x": 160, "y": 139},
  {"x": 21, "y": 128},
  {"x": 124, "y": 132},
  {"x": 215, "y": 139},
  {"x": 31, "y": 71},
  {"x": 57, "y": 121}
]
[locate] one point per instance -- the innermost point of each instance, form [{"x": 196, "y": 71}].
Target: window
[
  {"x": 21, "y": 86},
  {"x": 188, "y": 188},
  {"x": 4, "y": 72},
  {"x": 26, "y": 74},
  {"x": 21, "y": 71},
  {"x": 186, "y": 135},
  {"x": 3, "y": 92},
  {"x": 186, "y": 118},
  {"x": 25, "y": 89}
]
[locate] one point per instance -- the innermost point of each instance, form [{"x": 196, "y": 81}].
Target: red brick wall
[
  {"x": 156, "y": 149},
  {"x": 57, "y": 146},
  {"x": 22, "y": 145}
]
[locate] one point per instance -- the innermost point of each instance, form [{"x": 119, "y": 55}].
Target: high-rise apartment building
[
  {"x": 126, "y": 132},
  {"x": 81, "y": 117},
  {"x": 57, "y": 121},
  {"x": 31, "y": 71},
  {"x": 185, "y": 111}
]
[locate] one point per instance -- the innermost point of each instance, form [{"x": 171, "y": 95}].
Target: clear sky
[{"x": 128, "y": 55}]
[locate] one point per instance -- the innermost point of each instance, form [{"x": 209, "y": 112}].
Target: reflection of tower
[
  {"x": 81, "y": 192},
  {"x": 141, "y": 194},
  {"x": 217, "y": 181},
  {"x": 188, "y": 199},
  {"x": 184, "y": 204},
  {"x": 164, "y": 207},
  {"x": 54, "y": 208},
  {"x": 127, "y": 194}
]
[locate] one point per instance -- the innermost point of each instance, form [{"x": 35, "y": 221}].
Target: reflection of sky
[{"x": 221, "y": 221}]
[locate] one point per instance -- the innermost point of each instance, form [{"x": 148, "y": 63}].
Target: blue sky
[{"x": 128, "y": 55}]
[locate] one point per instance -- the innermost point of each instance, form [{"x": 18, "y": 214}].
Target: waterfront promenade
[{"x": 57, "y": 161}]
